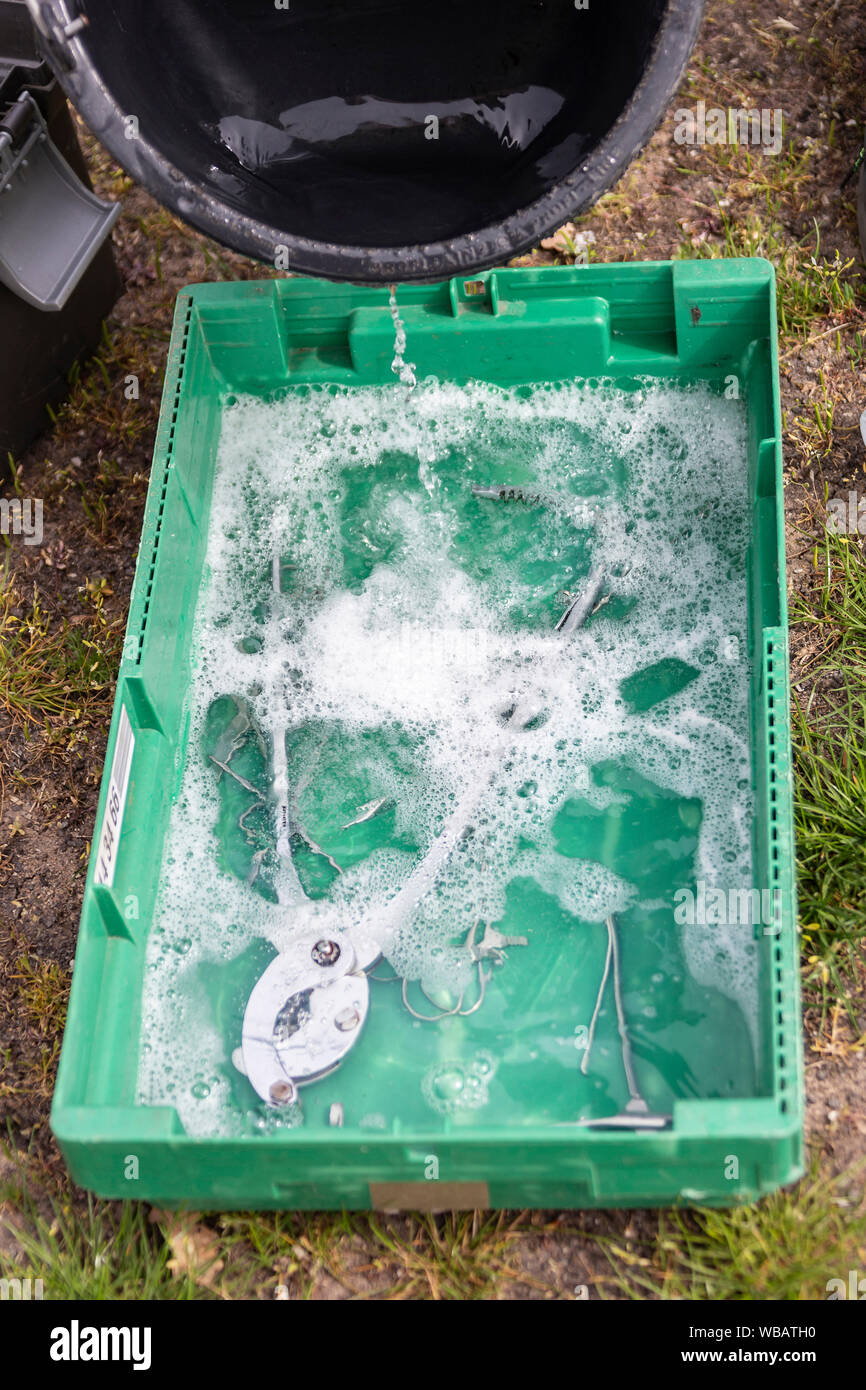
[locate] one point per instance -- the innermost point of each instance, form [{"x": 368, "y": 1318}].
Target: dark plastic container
[
  {"x": 373, "y": 141},
  {"x": 38, "y": 349}
]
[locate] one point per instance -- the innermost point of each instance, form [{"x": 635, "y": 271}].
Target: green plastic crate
[{"x": 682, "y": 322}]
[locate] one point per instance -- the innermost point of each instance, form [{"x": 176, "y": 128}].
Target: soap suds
[{"x": 395, "y": 622}]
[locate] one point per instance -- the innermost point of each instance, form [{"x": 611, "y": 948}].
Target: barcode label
[{"x": 112, "y": 820}]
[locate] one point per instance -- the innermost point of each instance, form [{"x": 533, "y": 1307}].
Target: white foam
[{"x": 426, "y": 643}]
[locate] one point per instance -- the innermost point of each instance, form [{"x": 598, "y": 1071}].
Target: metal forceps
[{"x": 309, "y": 1006}]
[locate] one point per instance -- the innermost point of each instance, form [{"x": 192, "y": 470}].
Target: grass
[
  {"x": 42, "y": 993},
  {"x": 33, "y": 997},
  {"x": 102, "y": 399},
  {"x": 828, "y": 721},
  {"x": 784, "y": 1248},
  {"x": 98, "y": 1251},
  {"x": 811, "y": 435},
  {"x": 51, "y": 666},
  {"x": 455, "y": 1256},
  {"x": 119, "y": 1250}
]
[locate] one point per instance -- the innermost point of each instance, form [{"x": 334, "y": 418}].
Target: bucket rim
[{"x": 489, "y": 245}]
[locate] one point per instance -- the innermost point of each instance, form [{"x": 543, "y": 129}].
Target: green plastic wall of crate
[{"x": 682, "y": 321}]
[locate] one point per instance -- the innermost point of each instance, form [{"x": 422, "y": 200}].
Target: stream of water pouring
[{"x": 400, "y": 367}]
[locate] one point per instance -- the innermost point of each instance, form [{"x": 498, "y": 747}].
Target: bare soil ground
[{"x": 67, "y": 602}]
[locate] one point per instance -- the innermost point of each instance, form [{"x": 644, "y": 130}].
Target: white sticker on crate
[{"x": 112, "y": 819}]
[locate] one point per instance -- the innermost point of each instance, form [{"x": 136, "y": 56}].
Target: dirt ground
[{"x": 91, "y": 469}]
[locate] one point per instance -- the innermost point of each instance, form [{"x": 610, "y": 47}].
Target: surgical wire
[
  {"x": 627, "y": 1061},
  {"x": 584, "y": 1066},
  {"x": 612, "y": 956},
  {"x": 458, "y": 1011}
]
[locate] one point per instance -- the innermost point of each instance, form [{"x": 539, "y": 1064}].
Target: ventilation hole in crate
[{"x": 165, "y": 464}]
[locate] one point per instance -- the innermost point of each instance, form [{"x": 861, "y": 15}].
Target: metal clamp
[{"x": 304, "y": 1014}]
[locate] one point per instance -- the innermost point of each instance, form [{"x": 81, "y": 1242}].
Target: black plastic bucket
[
  {"x": 373, "y": 140},
  {"x": 38, "y": 350}
]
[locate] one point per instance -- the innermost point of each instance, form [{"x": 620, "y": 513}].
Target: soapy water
[
  {"x": 413, "y": 619},
  {"x": 449, "y": 1088}
]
